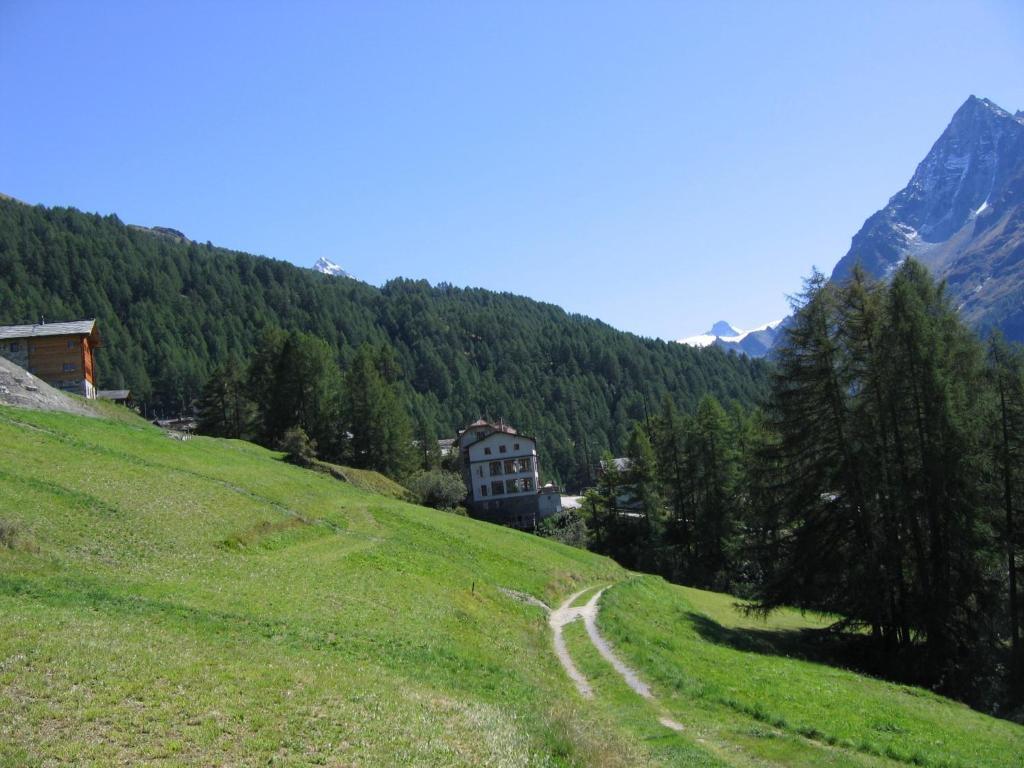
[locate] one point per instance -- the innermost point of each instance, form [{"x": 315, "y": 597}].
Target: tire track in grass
[{"x": 566, "y": 614}]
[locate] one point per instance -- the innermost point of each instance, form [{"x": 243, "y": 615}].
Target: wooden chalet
[
  {"x": 61, "y": 354},
  {"x": 119, "y": 396}
]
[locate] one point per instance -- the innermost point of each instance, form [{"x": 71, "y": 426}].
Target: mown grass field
[{"x": 203, "y": 603}]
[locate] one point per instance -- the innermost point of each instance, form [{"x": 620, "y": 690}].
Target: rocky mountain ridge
[{"x": 961, "y": 215}]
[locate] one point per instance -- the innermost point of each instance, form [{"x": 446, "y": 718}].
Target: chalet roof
[
  {"x": 183, "y": 422},
  {"x": 114, "y": 394},
  {"x": 74, "y": 328},
  {"x": 621, "y": 464}
]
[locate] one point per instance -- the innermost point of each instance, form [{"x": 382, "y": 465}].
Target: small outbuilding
[{"x": 119, "y": 396}]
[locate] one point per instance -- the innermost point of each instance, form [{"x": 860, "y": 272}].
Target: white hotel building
[{"x": 499, "y": 467}]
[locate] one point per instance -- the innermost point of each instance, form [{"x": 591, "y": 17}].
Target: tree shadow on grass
[
  {"x": 831, "y": 647},
  {"x": 973, "y": 681}
]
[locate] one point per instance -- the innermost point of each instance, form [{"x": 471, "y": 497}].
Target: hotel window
[
  {"x": 479, "y": 471},
  {"x": 515, "y": 447},
  {"x": 497, "y": 487},
  {"x": 527, "y": 483},
  {"x": 511, "y": 466},
  {"x": 71, "y": 343},
  {"x": 495, "y": 468},
  {"x": 487, "y": 451},
  {"x": 14, "y": 346},
  {"x": 483, "y": 490},
  {"x": 502, "y": 448},
  {"x": 511, "y": 486}
]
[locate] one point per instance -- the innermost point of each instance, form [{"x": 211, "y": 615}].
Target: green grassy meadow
[{"x": 203, "y": 603}]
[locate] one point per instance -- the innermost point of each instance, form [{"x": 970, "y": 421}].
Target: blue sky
[{"x": 657, "y": 165}]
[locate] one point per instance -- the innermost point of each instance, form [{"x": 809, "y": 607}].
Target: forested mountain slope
[{"x": 170, "y": 310}]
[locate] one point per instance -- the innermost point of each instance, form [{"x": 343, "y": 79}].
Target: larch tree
[
  {"x": 381, "y": 432},
  {"x": 1006, "y": 370}
]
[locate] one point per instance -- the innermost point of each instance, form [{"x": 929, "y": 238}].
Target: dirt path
[
  {"x": 557, "y": 619},
  {"x": 567, "y": 613},
  {"x": 589, "y": 614}
]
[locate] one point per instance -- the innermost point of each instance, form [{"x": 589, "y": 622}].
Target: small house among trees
[
  {"x": 61, "y": 354},
  {"x": 502, "y": 476},
  {"x": 119, "y": 396}
]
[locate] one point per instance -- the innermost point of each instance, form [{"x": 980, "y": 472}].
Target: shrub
[
  {"x": 298, "y": 447},
  {"x": 567, "y": 527},
  {"x": 8, "y": 534},
  {"x": 437, "y": 488}
]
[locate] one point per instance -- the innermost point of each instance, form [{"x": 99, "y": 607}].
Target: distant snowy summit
[
  {"x": 328, "y": 267},
  {"x": 720, "y": 330},
  {"x": 754, "y": 342}
]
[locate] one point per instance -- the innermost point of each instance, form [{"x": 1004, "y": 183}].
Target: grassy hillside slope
[{"x": 201, "y": 602}]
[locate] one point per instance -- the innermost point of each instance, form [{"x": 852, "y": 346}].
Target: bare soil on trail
[
  {"x": 567, "y": 613},
  {"x": 589, "y": 614},
  {"x": 557, "y": 619}
]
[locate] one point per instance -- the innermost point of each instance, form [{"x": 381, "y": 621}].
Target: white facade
[
  {"x": 502, "y": 465},
  {"x": 549, "y": 502}
]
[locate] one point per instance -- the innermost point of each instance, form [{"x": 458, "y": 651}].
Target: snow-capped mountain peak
[
  {"x": 961, "y": 216},
  {"x": 328, "y": 267},
  {"x": 722, "y": 328},
  {"x": 726, "y": 335},
  {"x": 973, "y": 165}
]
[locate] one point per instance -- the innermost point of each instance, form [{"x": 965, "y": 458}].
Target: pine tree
[
  {"x": 261, "y": 381},
  {"x": 881, "y": 513},
  {"x": 937, "y": 407},
  {"x": 813, "y": 547},
  {"x": 600, "y": 508},
  {"x": 669, "y": 439},
  {"x": 715, "y": 478},
  {"x": 862, "y": 328},
  {"x": 428, "y": 451},
  {"x": 224, "y": 408},
  {"x": 381, "y": 434},
  {"x": 1006, "y": 369},
  {"x": 294, "y": 382}
]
